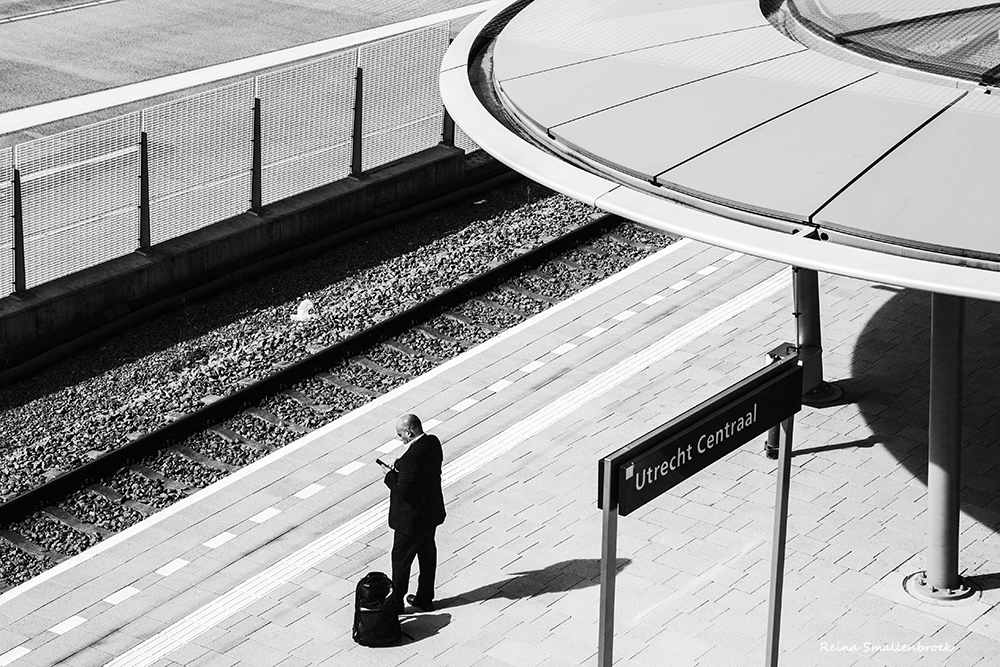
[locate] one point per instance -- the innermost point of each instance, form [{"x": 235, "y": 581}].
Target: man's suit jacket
[{"x": 416, "y": 501}]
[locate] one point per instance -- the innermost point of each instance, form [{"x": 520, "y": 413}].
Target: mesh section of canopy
[{"x": 956, "y": 38}]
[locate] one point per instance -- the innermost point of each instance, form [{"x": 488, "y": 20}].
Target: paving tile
[
  {"x": 519, "y": 554},
  {"x": 483, "y": 641},
  {"x": 316, "y": 651}
]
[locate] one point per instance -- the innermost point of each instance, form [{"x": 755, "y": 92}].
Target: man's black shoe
[{"x": 422, "y": 606}]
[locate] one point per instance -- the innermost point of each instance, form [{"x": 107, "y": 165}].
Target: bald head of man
[{"x": 408, "y": 428}]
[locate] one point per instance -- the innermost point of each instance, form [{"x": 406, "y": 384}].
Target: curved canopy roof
[{"x": 640, "y": 105}]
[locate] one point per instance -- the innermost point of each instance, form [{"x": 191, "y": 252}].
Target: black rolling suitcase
[{"x": 376, "y": 620}]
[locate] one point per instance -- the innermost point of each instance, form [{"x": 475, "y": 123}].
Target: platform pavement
[{"x": 260, "y": 568}]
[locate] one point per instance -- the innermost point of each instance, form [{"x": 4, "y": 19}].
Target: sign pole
[
  {"x": 640, "y": 471},
  {"x": 609, "y": 562},
  {"x": 778, "y": 545}
]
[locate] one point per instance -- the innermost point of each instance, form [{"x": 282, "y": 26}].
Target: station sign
[{"x": 668, "y": 455}]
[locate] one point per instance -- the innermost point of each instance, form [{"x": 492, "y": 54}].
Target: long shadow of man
[{"x": 561, "y": 577}]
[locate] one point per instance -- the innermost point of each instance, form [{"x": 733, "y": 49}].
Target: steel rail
[{"x": 25, "y": 503}]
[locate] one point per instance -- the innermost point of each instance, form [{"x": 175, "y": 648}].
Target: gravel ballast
[{"x": 137, "y": 381}]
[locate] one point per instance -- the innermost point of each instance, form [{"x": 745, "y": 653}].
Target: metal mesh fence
[
  {"x": 402, "y": 112},
  {"x": 199, "y": 159},
  {"x": 79, "y": 197},
  {"x": 306, "y": 125},
  {"x": 6, "y": 222},
  {"x": 464, "y": 141},
  {"x": 81, "y": 191}
]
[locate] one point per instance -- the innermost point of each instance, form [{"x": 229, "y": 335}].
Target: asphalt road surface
[{"x": 92, "y": 47}]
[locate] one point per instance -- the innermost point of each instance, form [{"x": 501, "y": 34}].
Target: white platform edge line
[{"x": 338, "y": 423}]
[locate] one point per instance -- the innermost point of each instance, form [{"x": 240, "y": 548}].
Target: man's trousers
[{"x": 404, "y": 549}]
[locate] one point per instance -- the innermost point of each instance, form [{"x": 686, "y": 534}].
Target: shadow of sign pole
[{"x": 637, "y": 473}]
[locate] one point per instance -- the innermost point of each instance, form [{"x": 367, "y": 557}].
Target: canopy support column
[
  {"x": 941, "y": 580},
  {"x": 809, "y": 337}
]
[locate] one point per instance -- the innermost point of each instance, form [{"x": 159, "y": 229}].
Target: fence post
[
  {"x": 257, "y": 168},
  {"x": 144, "y": 236},
  {"x": 19, "y": 278},
  {"x": 448, "y": 131},
  {"x": 356, "y": 134}
]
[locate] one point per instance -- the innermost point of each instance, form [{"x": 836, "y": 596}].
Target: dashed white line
[
  {"x": 680, "y": 284},
  {"x": 246, "y": 593},
  {"x": 624, "y": 315},
  {"x": 610, "y": 378},
  {"x": 123, "y": 594},
  {"x": 596, "y": 331},
  {"x": 219, "y": 540},
  {"x": 264, "y": 515},
  {"x": 346, "y": 470},
  {"x": 67, "y": 625},
  {"x": 498, "y": 385},
  {"x": 313, "y": 489},
  {"x": 532, "y": 367},
  {"x": 707, "y": 270},
  {"x": 653, "y": 300},
  {"x": 563, "y": 349},
  {"x": 464, "y": 405},
  {"x": 733, "y": 256},
  {"x": 13, "y": 654},
  {"x": 172, "y": 567},
  {"x": 227, "y": 483},
  {"x": 389, "y": 446},
  {"x": 431, "y": 423}
]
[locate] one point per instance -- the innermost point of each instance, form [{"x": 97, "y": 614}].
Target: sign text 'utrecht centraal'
[{"x": 668, "y": 455}]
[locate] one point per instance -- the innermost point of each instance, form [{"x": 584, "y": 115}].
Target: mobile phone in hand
[{"x": 383, "y": 464}]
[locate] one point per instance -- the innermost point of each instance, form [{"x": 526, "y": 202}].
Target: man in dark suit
[{"x": 416, "y": 509}]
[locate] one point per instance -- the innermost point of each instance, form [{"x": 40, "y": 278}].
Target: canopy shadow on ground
[{"x": 890, "y": 381}]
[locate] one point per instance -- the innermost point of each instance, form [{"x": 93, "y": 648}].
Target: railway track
[{"x": 68, "y": 511}]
